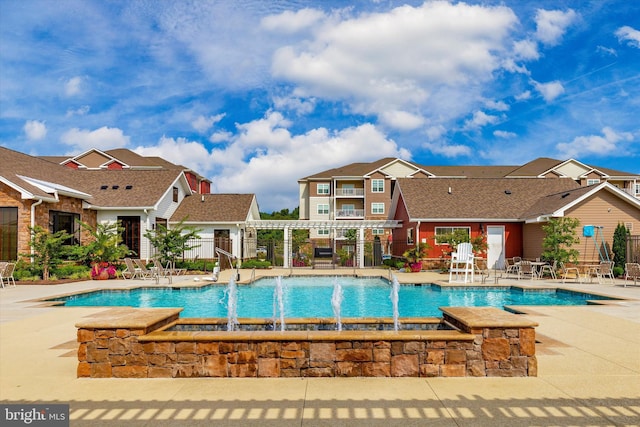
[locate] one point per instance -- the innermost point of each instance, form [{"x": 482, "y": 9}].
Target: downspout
[
  {"x": 33, "y": 223},
  {"x": 147, "y": 227}
]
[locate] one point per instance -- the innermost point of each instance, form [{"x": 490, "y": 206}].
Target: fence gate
[{"x": 633, "y": 249}]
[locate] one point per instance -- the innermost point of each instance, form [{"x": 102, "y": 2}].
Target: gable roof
[
  {"x": 450, "y": 199},
  {"x": 36, "y": 178},
  {"x": 201, "y": 208},
  {"x": 128, "y": 188}
]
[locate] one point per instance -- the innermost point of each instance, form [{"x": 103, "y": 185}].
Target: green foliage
[
  {"x": 48, "y": 249},
  {"x": 620, "y": 245},
  {"x": 72, "y": 271},
  {"x": 461, "y": 235},
  {"x": 618, "y": 271},
  {"x": 351, "y": 235},
  {"x": 105, "y": 246},
  {"x": 171, "y": 243},
  {"x": 416, "y": 253},
  {"x": 560, "y": 236},
  {"x": 254, "y": 263},
  {"x": 278, "y": 235},
  {"x": 393, "y": 263}
]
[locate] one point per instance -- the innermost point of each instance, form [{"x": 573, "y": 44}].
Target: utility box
[{"x": 587, "y": 231}]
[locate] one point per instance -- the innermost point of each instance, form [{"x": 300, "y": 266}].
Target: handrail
[
  {"x": 230, "y": 258},
  {"x": 253, "y": 275}
]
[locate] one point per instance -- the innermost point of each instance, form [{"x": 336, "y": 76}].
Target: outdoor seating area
[
  {"x": 631, "y": 270},
  {"x": 137, "y": 268}
]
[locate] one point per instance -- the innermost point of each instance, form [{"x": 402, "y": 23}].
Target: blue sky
[{"x": 256, "y": 94}]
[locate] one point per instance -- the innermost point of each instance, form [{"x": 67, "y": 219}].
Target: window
[
  {"x": 175, "y": 194},
  {"x": 348, "y": 189},
  {"x": 593, "y": 181},
  {"x": 9, "y": 234},
  {"x": 441, "y": 231},
  {"x": 377, "y": 208},
  {"x": 378, "y": 231},
  {"x": 637, "y": 186},
  {"x": 131, "y": 232},
  {"x": 323, "y": 209},
  {"x": 411, "y": 236},
  {"x": 66, "y": 221},
  {"x": 323, "y": 232},
  {"x": 377, "y": 185},
  {"x": 323, "y": 188}
]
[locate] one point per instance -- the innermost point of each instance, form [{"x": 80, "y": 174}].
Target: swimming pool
[{"x": 311, "y": 297}]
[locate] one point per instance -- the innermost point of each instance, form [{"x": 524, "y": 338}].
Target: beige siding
[
  {"x": 303, "y": 211},
  {"x": 399, "y": 170},
  {"x": 532, "y": 241},
  {"x": 606, "y": 210},
  {"x": 93, "y": 159}
]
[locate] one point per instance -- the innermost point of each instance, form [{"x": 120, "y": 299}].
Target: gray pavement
[{"x": 588, "y": 356}]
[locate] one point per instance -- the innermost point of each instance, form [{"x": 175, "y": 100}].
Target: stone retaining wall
[{"x": 109, "y": 348}]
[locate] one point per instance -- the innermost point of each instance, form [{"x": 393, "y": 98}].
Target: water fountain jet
[{"x": 336, "y": 302}]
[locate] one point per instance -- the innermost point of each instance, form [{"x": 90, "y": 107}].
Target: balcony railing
[
  {"x": 350, "y": 213},
  {"x": 349, "y": 192}
]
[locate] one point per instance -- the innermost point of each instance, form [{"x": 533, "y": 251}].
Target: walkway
[{"x": 588, "y": 357}]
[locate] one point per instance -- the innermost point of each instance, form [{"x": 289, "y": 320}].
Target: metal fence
[{"x": 633, "y": 249}]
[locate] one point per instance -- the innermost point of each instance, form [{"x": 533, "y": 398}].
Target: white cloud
[
  {"x": 630, "y": 35},
  {"x": 497, "y": 105},
  {"x": 401, "y": 120},
  {"x": 293, "y": 103},
  {"x": 526, "y": 49},
  {"x": 446, "y": 150},
  {"x": 552, "y": 24},
  {"x": 504, "y": 134},
  {"x": 73, "y": 86},
  {"x": 265, "y": 148},
  {"x": 606, "y": 50},
  {"x": 81, "y": 111},
  {"x": 413, "y": 60},
  {"x": 180, "y": 151},
  {"x": 35, "y": 130},
  {"x": 103, "y": 138},
  {"x": 523, "y": 96},
  {"x": 603, "y": 145},
  {"x": 202, "y": 123},
  {"x": 293, "y": 22},
  {"x": 549, "y": 91},
  {"x": 435, "y": 132},
  {"x": 480, "y": 119}
]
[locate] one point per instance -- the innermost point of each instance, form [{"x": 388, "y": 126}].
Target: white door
[{"x": 495, "y": 247}]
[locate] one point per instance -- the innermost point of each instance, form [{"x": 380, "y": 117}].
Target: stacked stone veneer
[{"x": 110, "y": 348}]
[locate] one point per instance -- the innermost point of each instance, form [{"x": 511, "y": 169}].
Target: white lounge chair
[
  {"x": 462, "y": 263},
  {"x": 143, "y": 271},
  {"x": 550, "y": 268}
]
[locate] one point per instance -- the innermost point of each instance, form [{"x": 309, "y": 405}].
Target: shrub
[{"x": 256, "y": 263}]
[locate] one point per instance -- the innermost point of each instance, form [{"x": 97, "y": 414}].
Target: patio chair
[
  {"x": 549, "y": 268},
  {"x": 565, "y": 272},
  {"x": 482, "y": 268},
  {"x": 604, "y": 270},
  {"x": 143, "y": 271},
  {"x": 526, "y": 268},
  {"x": 462, "y": 262},
  {"x": 512, "y": 268},
  {"x": 131, "y": 271},
  {"x": 6, "y": 273},
  {"x": 631, "y": 269}
]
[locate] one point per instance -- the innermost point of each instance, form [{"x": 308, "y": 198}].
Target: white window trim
[
  {"x": 435, "y": 233},
  {"x": 374, "y": 189},
  {"x": 592, "y": 181},
  {"x": 323, "y": 185},
  {"x": 323, "y": 206},
  {"x": 377, "y": 204}
]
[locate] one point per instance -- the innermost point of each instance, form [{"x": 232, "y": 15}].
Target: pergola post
[
  {"x": 286, "y": 262},
  {"x": 360, "y": 246}
]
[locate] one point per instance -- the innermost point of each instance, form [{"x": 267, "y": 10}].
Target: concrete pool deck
[{"x": 588, "y": 374}]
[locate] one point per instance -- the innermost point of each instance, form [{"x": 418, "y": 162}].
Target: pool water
[{"x": 311, "y": 297}]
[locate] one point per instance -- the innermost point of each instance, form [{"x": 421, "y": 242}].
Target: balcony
[
  {"x": 350, "y": 213},
  {"x": 349, "y": 192}
]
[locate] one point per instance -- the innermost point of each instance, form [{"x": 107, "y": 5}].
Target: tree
[
  {"x": 620, "y": 236},
  {"x": 560, "y": 236},
  {"x": 105, "y": 246},
  {"x": 171, "y": 243},
  {"x": 461, "y": 235},
  {"x": 48, "y": 249}
]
